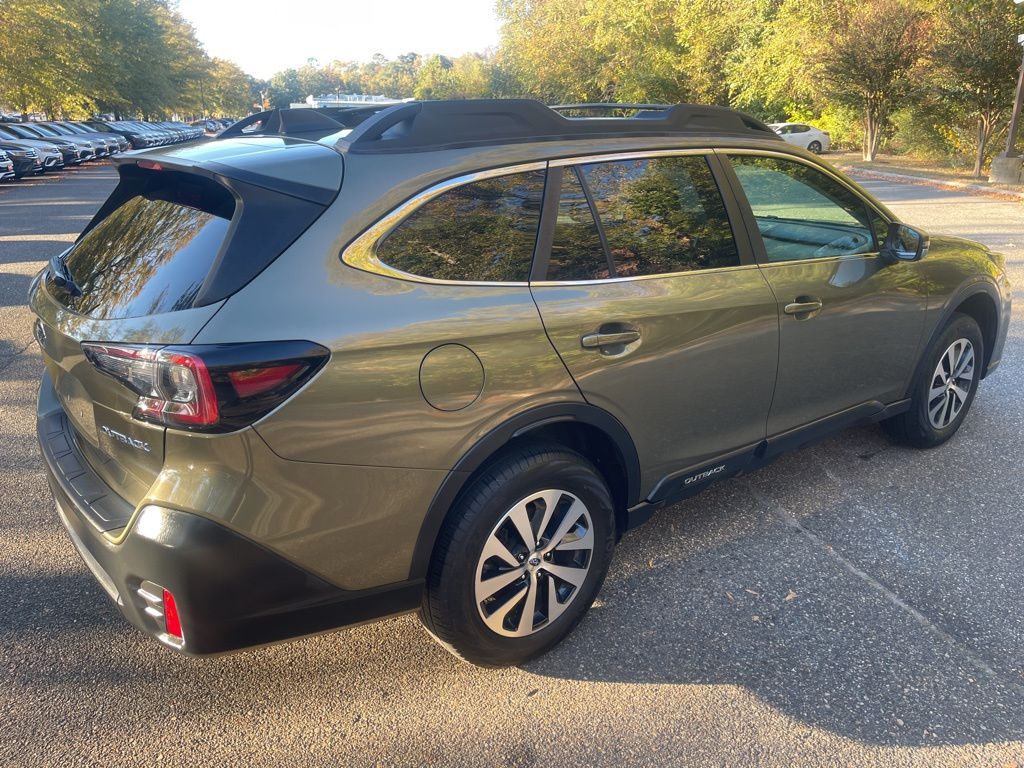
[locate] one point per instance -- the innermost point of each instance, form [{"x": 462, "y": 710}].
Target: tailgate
[
  {"x": 126, "y": 453},
  {"x": 157, "y": 261}
]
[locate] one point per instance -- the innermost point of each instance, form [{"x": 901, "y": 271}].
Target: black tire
[
  {"x": 449, "y": 610},
  {"x": 815, "y": 147},
  {"x": 915, "y": 427}
]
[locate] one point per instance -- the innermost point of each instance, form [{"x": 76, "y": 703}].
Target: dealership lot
[{"x": 854, "y": 603}]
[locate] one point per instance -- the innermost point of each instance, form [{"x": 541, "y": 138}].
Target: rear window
[{"x": 152, "y": 253}]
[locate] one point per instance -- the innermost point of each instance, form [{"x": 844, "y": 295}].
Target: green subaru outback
[{"x": 439, "y": 356}]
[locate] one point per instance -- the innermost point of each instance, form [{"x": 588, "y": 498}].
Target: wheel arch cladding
[
  {"x": 588, "y": 430},
  {"x": 983, "y": 308}
]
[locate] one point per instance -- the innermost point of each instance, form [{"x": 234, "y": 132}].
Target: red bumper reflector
[{"x": 172, "y": 622}]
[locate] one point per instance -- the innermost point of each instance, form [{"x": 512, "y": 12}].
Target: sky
[{"x": 266, "y": 36}]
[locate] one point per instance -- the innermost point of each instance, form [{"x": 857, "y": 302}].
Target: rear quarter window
[{"x": 483, "y": 231}]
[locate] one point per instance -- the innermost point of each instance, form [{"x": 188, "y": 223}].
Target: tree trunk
[
  {"x": 870, "y": 137},
  {"x": 979, "y": 155}
]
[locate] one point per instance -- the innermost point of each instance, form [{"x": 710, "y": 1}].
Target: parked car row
[
  {"x": 147, "y": 134},
  {"x": 39, "y": 147},
  {"x": 211, "y": 126}
]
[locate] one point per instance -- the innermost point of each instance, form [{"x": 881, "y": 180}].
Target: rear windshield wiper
[{"x": 62, "y": 275}]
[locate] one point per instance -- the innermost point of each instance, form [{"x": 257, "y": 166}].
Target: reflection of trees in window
[
  {"x": 148, "y": 256},
  {"x": 485, "y": 230},
  {"x": 662, "y": 215},
  {"x": 793, "y": 190},
  {"x": 576, "y": 250}
]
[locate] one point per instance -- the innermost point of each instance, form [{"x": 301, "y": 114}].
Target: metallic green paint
[{"x": 340, "y": 478}]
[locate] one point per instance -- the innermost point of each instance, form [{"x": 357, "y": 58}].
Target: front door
[
  {"x": 850, "y": 319},
  {"x": 656, "y": 308}
]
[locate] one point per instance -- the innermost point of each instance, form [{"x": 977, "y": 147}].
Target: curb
[{"x": 961, "y": 186}]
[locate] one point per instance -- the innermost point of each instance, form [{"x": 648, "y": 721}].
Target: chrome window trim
[
  {"x": 660, "y": 275},
  {"x": 620, "y": 156},
  {"x": 820, "y": 259},
  {"x": 361, "y": 252}
]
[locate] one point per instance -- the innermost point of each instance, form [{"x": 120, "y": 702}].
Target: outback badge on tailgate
[{"x": 121, "y": 437}]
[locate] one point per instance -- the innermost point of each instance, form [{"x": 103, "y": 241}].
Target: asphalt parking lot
[{"x": 854, "y": 603}]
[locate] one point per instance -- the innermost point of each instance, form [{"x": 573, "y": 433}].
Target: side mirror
[{"x": 904, "y": 243}]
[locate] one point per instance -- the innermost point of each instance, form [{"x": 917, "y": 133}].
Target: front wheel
[
  {"x": 521, "y": 557},
  {"x": 945, "y": 386}
]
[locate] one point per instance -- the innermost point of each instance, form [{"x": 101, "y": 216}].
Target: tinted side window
[
  {"x": 576, "y": 249},
  {"x": 661, "y": 215},
  {"x": 485, "y": 231},
  {"x": 803, "y": 213}
]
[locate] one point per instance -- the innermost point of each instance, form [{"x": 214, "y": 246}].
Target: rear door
[
  {"x": 850, "y": 319},
  {"x": 656, "y": 308}
]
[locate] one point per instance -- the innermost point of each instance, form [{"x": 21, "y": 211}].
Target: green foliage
[
  {"x": 70, "y": 58},
  {"x": 976, "y": 57},
  {"x": 873, "y": 63},
  {"x": 930, "y": 76}
]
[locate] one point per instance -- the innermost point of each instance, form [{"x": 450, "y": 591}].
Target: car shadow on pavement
[{"x": 736, "y": 595}]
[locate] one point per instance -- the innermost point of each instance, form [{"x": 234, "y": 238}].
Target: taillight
[{"x": 208, "y": 388}]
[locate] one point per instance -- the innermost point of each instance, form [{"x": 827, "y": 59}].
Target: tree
[
  {"x": 228, "y": 90},
  {"x": 284, "y": 88},
  {"x": 39, "y": 64},
  {"x": 977, "y": 58},
  {"x": 873, "y": 60},
  {"x": 715, "y": 37},
  {"x": 547, "y": 45}
]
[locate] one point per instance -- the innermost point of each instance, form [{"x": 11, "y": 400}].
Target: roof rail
[
  {"x": 418, "y": 126},
  {"x": 304, "y": 123},
  {"x": 430, "y": 125}
]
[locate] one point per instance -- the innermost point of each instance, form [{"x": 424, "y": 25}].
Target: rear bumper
[{"x": 231, "y": 593}]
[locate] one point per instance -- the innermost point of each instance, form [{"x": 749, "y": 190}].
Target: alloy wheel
[
  {"x": 534, "y": 563},
  {"x": 951, "y": 383}
]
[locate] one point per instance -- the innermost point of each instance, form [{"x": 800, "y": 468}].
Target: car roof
[
  {"x": 420, "y": 126},
  {"x": 395, "y": 172}
]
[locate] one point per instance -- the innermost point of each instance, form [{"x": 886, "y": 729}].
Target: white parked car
[{"x": 803, "y": 135}]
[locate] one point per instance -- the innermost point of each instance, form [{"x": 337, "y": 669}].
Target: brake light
[
  {"x": 216, "y": 388},
  {"x": 253, "y": 381},
  {"x": 151, "y": 165}
]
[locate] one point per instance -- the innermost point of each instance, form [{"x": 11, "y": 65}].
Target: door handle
[
  {"x": 598, "y": 340},
  {"x": 804, "y": 305}
]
